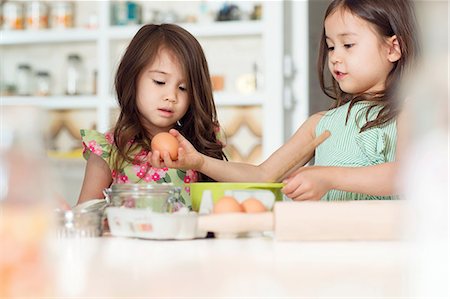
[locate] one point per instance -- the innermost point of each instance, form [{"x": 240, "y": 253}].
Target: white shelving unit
[{"x": 269, "y": 30}]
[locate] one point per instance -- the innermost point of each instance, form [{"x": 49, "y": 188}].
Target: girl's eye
[
  {"x": 330, "y": 49},
  {"x": 158, "y": 82},
  {"x": 182, "y": 88},
  {"x": 348, "y": 46}
]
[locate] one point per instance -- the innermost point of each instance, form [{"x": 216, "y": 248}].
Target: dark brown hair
[
  {"x": 388, "y": 17},
  {"x": 200, "y": 121}
]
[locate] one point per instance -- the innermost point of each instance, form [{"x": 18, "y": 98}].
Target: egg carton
[
  {"x": 266, "y": 197},
  {"x": 145, "y": 224}
]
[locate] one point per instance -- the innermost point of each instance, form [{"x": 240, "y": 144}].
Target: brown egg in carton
[{"x": 241, "y": 202}]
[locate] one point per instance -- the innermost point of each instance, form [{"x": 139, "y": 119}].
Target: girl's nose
[
  {"x": 335, "y": 57},
  {"x": 171, "y": 97}
]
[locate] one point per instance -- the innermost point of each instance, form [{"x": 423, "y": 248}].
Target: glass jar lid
[
  {"x": 156, "y": 197},
  {"x": 152, "y": 188}
]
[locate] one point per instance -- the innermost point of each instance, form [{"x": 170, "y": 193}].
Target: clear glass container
[
  {"x": 74, "y": 69},
  {"x": 79, "y": 223},
  {"x": 42, "y": 83},
  {"x": 24, "y": 80},
  {"x": 162, "y": 198},
  {"x": 62, "y": 14},
  {"x": 37, "y": 15},
  {"x": 13, "y": 16}
]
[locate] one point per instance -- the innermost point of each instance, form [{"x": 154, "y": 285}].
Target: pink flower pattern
[
  {"x": 139, "y": 171},
  {"x": 95, "y": 147},
  {"x": 109, "y": 136}
]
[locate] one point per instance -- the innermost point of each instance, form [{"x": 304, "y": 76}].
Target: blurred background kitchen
[{"x": 61, "y": 56}]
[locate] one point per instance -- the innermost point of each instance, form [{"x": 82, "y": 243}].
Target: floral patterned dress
[{"x": 139, "y": 171}]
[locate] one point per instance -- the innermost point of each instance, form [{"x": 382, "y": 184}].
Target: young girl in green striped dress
[{"x": 367, "y": 46}]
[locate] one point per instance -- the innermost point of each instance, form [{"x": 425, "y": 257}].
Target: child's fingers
[
  {"x": 174, "y": 132},
  {"x": 295, "y": 194},
  {"x": 155, "y": 159},
  {"x": 293, "y": 188},
  {"x": 167, "y": 160},
  {"x": 179, "y": 137},
  {"x": 290, "y": 186},
  {"x": 181, "y": 155}
]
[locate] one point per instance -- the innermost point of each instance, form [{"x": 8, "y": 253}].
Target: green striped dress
[{"x": 349, "y": 148}]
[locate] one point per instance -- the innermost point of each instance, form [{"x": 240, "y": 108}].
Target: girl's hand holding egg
[
  {"x": 165, "y": 142},
  {"x": 186, "y": 156}
]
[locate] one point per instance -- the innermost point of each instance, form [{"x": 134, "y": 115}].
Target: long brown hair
[
  {"x": 200, "y": 121},
  {"x": 389, "y": 17}
]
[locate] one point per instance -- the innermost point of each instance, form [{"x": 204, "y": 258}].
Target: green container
[{"x": 218, "y": 190}]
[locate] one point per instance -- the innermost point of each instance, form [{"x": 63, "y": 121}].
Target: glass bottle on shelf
[
  {"x": 62, "y": 14},
  {"x": 37, "y": 15},
  {"x": 12, "y": 15},
  {"x": 42, "y": 83},
  {"x": 24, "y": 80},
  {"x": 74, "y": 69}
]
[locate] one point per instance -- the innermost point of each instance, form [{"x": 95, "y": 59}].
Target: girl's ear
[{"x": 394, "y": 51}]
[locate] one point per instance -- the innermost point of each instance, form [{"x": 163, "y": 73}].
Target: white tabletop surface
[{"x": 245, "y": 267}]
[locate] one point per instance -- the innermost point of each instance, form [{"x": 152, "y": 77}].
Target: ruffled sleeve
[
  {"x": 372, "y": 144},
  {"x": 97, "y": 143}
]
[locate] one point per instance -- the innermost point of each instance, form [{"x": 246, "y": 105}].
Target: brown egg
[
  {"x": 227, "y": 204},
  {"x": 253, "y": 205},
  {"x": 165, "y": 142}
]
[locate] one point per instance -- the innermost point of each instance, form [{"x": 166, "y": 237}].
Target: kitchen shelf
[
  {"x": 212, "y": 29},
  {"x": 52, "y": 102},
  {"x": 43, "y": 36},
  {"x": 268, "y": 32},
  {"x": 48, "y": 36}
]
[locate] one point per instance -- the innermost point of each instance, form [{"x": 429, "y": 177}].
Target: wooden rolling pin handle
[{"x": 300, "y": 157}]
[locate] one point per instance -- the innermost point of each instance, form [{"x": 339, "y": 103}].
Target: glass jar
[
  {"x": 125, "y": 13},
  {"x": 13, "y": 16},
  {"x": 74, "y": 69},
  {"x": 62, "y": 15},
  {"x": 37, "y": 15},
  {"x": 42, "y": 83},
  {"x": 79, "y": 223},
  {"x": 160, "y": 198},
  {"x": 24, "y": 80}
]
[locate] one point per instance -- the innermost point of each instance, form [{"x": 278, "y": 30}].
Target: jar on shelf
[
  {"x": 13, "y": 16},
  {"x": 42, "y": 83},
  {"x": 125, "y": 13},
  {"x": 74, "y": 70},
  {"x": 37, "y": 15},
  {"x": 24, "y": 80},
  {"x": 62, "y": 15}
]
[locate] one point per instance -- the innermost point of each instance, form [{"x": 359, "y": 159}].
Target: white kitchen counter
[{"x": 251, "y": 267}]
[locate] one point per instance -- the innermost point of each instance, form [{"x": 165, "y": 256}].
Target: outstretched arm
[
  {"x": 312, "y": 183},
  {"x": 189, "y": 158}
]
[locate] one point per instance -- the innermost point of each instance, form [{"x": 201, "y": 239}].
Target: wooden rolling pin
[
  {"x": 316, "y": 220},
  {"x": 299, "y": 158}
]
